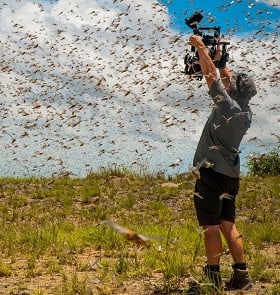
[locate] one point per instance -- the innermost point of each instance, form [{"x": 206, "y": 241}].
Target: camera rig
[{"x": 211, "y": 41}]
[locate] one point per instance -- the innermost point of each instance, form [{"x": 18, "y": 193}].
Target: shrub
[
  {"x": 4, "y": 269},
  {"x": 265, "y": 164}
]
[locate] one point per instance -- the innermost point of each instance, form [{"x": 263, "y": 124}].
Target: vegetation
[
  {"x": 265, "y": 164},
  {"x": 53, "y": 241}
]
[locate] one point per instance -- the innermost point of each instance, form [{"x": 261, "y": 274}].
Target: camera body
[{"x": 211, "y": 40}]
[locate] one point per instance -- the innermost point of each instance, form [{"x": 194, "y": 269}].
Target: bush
[{"x": 265, "y": 164}]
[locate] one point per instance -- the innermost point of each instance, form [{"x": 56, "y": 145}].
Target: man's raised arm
[{"x": 207, "y": 66}]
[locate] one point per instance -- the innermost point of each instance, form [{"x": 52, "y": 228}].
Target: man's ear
[{"x": 232, "y": 91}]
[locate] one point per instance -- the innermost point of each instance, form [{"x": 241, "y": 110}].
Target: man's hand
[
  {"x": 221, "y": 58},
  {"x": 196, "y": 41},
  {"x": 218, "y": 54}
]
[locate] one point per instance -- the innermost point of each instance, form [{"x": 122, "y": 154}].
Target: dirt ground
[{"x": 20, "y": 282}]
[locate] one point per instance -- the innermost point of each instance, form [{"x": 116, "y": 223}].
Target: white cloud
[
  {"x": 271, "y": 2},
  {"x": 92, "y": 83}
]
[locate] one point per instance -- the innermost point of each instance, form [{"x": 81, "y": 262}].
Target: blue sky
[
  {"x": 239, "y": 16},
  {"x": 233, "y": 16}
]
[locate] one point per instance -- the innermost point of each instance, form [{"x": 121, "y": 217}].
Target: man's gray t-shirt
[{"x": 223, "y": 132}]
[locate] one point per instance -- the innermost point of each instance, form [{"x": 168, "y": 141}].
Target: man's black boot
[
  {"x": 194, "y": 289},
  {"x": 213, "y": 275},
  {"x": 239, "y": 280}
]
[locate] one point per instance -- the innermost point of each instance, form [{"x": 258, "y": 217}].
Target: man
[{"x": 218, "y": 155}]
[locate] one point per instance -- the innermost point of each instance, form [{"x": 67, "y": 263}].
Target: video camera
[{"x": 191, "y": 60}]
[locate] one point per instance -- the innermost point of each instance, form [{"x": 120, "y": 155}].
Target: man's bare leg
[
  {"x": 234, "y": 241},
  {"x": 213, "y": 244}
]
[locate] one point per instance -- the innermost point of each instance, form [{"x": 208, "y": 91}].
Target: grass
[{"x": 52, "y": 240}]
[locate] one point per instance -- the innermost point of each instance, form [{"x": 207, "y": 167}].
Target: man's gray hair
[{"x": 243, "y": 88}]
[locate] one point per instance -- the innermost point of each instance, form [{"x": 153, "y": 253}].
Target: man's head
[{"x": 243, "y": 88}]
